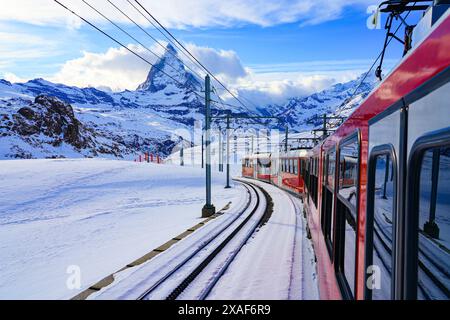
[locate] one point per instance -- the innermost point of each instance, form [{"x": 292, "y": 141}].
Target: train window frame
[
  {"x": 436, "y": 139},
  {"x": 376, "y": 152},
  {"x": 328, "y": 229},
  {"x": 339, "y": 253}
]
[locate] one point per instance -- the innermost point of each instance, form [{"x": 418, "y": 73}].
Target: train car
[
  {"x": 378, "y": 189},
  {"x": 263, "y": 164},
  {"x": 291, "y": 165},
  {"x": 248, "y": 168},
  {"x": 257, "y": 166}
]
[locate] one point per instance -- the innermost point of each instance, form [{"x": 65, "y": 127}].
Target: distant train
[{"x": 377, "y": 191}]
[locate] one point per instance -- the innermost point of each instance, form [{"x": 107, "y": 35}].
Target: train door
[
  {"x": 427, "y": 218},
  {"x": 381, "y": 215},
  {"x": 408, "y": 196},
  {"x": 346, "y": 215},
  {"x": 327, "y": 212}
]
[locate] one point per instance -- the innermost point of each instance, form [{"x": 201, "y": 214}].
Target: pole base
[
  {"x": 208, "y": 211},
  {"x": 227, "y": 187},
  {"x": 432, "y": 229}
]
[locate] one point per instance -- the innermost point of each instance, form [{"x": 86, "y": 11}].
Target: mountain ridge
[{"x": 165, "y": 103}]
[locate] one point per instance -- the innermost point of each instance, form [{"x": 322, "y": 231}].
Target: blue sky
[{"x": 273, "y": 50}]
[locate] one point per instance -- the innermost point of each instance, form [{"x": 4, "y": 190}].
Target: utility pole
[
  {"x": 208, "y": 209},
  {"x": 253, "y": 142},
  {"x": 220, "y": 151},
  {"x": 325, "y": 132},
  {"x": 203, "y": 151},
  {"x": 182, "y": 155},
  {"x": 235, "y": 148},
  {"x": 286, "y": 140},
  {"x": 228, "y": 152}
]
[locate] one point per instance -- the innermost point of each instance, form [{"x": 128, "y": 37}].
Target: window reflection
[
  {"x": 331, "y": 168},
  {"x": 434, "y": 225},
  {"x": 348, "y": 174},
  {"x": 383, "y": 225}
]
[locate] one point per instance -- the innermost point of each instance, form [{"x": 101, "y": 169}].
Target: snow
[
  {"x": 96, "y": 214},
  {"x": 278, "y": 262}
]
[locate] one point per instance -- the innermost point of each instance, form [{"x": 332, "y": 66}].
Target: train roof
[
  {"x": 399, "y": 82},
  {"x": 301, "y": 153},
  {"x": 258, "y": 156}
]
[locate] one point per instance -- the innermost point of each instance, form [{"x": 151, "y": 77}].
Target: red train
[{"x": 377, "y": 191}]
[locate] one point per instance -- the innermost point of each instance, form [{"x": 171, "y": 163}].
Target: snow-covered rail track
[{"x": 215, "y": 254}]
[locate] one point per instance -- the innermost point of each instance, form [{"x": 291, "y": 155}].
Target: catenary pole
[{"x": 208, "y": 209}]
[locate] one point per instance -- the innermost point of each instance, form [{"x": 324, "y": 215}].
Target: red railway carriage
[
  {"x": 291, "y": 165},
  {"x": 374, "y": 206},
  {"x": 263, "y": 163},
  {"x": 257, "y": 166},
  {"x": 248, "y": 169},
  {"x": 377, "y": 191}
]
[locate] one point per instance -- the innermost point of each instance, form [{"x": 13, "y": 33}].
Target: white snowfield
[
  {"x": 91, "y": 216},
  {"x": 277, "y": 263}
]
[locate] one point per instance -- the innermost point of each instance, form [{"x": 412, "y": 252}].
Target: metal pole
[
  {"x": 203, "y": 151},
  {"x": 286, "y": 140},
  {"x": 325, "y": 133},
  {"x": 220, "y": 151},
  {"x": 208, "y": 209},
  {"x": 430, "y": 227},
  {"x": 228, "y": 152},
  {"x": 182, "y": 156},
  {"x": 253, "y": 138},
  {"x": 235, "y": 148}
]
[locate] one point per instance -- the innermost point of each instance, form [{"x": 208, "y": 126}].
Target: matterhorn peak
[{"x": 169, "y": 74}]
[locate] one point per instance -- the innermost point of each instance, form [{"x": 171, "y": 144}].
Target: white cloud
[
  {"x": 183, "y": 13},
  {"x": 119, "y": 69},
  {"x": 11, "y": 77},
  {"x": 116, "y": 68},
  {"x": 224, "y": 63}
]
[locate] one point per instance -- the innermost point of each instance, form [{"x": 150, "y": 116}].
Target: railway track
[{"x": 197, "y": 274}]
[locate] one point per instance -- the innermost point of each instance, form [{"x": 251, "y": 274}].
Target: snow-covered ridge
[{"x": 147, "y": 118}]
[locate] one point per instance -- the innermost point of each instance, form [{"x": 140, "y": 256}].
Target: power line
[
  {"x": 127, "y": 33},
  {"x": 370, "y": 69},
  {"x": 124, "y": 46},
  {"x": 153, "y": 38},
  {"x": 179, "y": 43},
  {"x": 159, "y": 30}
]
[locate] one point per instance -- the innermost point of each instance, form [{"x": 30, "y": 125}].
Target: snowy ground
[
  {"x": 278, "y": 262},
  {"x": 98, "y": 215}
]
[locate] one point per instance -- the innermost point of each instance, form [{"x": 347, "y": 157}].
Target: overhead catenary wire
[
  {"x": 184, "y": 48},
  {"x": 127, "y": 33},
  {"x": 124, "y": 46},
  {"x": 370, "y": 70},
  {"x": 152, "y": 37},
  {"x": 163, "y": 34}
]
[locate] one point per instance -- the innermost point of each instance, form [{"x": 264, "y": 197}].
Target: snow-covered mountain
[
  {"x": 300, "y": 113},
  {"x": 146, "y": 119}
]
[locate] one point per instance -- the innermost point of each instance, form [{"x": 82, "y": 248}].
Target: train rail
[{"x": 215, "y": 254}]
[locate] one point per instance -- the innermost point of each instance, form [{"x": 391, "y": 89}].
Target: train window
[
  {"x": 434, "y": 225},
  {"x": 295, "y": 166},
  {"x": 328, "y": 199},
  {"x": 382, "y": 196},
  {"x": 348, "y": 174},
  {"x": 346, "y": 214}
]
